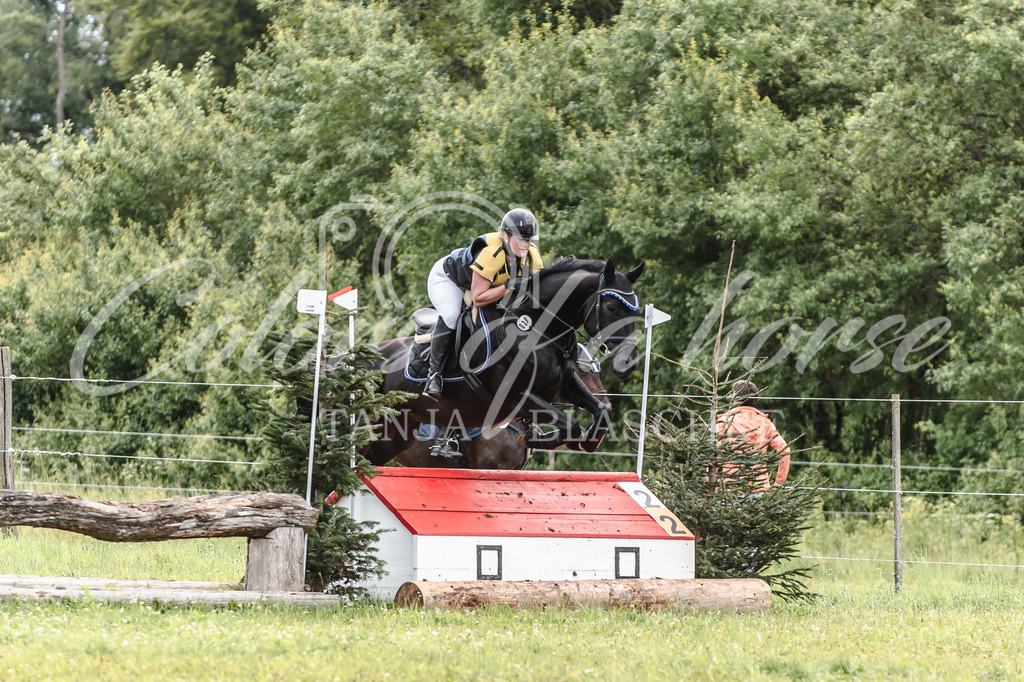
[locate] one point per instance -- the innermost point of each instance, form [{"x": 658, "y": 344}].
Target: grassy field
[{"x": 949, "y": 622}]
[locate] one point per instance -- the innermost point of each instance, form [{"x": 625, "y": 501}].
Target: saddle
[{"x": 472, "y": 322}]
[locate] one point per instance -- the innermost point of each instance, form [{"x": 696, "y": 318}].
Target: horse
[
  {"x": 496, "y": 447},
  {"x": 531, "y": 342}
]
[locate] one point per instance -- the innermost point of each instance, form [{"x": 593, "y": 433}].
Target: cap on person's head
[{"x": 746, "y": 392}]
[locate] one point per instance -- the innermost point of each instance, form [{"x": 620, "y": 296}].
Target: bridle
[{"x": 627, "y": 298}]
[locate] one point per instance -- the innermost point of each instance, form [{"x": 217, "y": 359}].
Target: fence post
[
  {"x": 6, "y": 426},
  {"x": 897, "y": 496}
]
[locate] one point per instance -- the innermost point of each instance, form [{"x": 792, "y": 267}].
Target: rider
[{"x": 482, "y": 268}]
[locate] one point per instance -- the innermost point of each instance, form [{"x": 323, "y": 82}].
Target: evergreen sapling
[{"x": 341, "y": 551}]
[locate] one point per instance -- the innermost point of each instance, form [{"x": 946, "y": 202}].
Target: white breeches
[{"x": 445, "y": 295}]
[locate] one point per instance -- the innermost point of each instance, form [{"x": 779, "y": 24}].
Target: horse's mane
[{"x": 572, "y": 264}]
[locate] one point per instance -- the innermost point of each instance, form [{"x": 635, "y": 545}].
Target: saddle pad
[
  {"x": 430, "y": 432},
  {"x": 417, "y": 361}
]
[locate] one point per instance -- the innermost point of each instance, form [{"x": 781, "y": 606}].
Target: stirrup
[
  {"x": 432, "y": 389},
  {"x": 445, "y": 446}
]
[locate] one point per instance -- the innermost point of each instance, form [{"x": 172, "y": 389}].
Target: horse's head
[{"x": 612, "y": 312}]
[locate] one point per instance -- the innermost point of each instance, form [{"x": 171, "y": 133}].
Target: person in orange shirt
[{"x": 746, "y": 423}]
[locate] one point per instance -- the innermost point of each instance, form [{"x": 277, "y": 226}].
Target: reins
[{"x": 595, "y": 309}]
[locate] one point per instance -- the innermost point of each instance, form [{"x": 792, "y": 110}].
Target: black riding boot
[{"x": 440, "y": 343}]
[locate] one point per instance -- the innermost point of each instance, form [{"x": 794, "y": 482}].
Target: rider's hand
[
  {"x": 512, "y": 287},
  {"x": 506, "y": 298}
]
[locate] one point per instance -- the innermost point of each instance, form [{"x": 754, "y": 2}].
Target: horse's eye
[{"x": 613, "y": 306}]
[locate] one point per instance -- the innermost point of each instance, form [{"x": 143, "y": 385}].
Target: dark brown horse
[
  {"x": 532, "y": 349},
  {"x": 497, "y": 447}
]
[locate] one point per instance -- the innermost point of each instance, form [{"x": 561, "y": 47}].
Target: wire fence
[{"x": 894, "y": 490}]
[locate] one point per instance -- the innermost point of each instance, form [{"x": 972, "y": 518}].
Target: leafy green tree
[
  {"x": 454, "y": 33},
  {"x": 143, "y": 32},
  {"x": 504, "y": 16},
  {"x": 330, "y": 102},
  {"x": 161, "y": 233},
  {"x": 27, "y": 182},
  {"x": 29, "y": 67},
  {"x": 503, "y": 145},
  {"x": 161, "y": 146},
  {"x": 863, "y": 157},
  {"x": 974, "y": 155}
]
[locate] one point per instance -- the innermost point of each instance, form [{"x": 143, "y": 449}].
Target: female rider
[{"x": 482, "y": 268}]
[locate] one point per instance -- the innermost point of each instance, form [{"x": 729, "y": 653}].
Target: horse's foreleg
[
  {"x": 577, "y": 393},
  {"x": 541, "y": 411}
]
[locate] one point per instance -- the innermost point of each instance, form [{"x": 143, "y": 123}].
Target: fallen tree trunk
[
  {"x": 31, "y": 588},
  {"x": 742, "y": 594},
  {"x": 251, "y": 515}
]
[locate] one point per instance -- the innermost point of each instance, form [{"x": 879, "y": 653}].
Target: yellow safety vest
[{"x": 492, "y": 263}]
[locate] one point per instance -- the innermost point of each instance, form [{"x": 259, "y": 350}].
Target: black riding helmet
[{"x": 521, "y": 223}]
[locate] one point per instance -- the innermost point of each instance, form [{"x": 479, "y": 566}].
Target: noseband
[{"x": 586, "y": 361}]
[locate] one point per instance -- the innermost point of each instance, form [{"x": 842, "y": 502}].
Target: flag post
[
  {"x": 652, "y": 317},
  {"x": 312, "y": 302},
  {"x": 348, "y": 298}
]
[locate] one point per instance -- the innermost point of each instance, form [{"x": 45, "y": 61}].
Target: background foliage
[{"x": 865, "y": 157}]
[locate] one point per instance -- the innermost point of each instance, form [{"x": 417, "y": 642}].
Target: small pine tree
[
  {"x": 740, "y": 531},
  {"x": 340, "y": 550}
]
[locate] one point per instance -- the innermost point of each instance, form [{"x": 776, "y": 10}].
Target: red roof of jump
[{"x": 514, "y": 503}]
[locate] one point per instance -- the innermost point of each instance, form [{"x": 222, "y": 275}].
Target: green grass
[
  {"x": 949, "y": 622},
  {"x": 40, "y": 551},
  {"x": 961, "y": 634},
  {"x": 929, "y": 535}
]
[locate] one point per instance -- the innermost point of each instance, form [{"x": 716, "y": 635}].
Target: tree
[
  {"x": 504, "y": 16},
  {"x": 329, "y": 103},
  {"x": 37, "y": 78},
  {"x": 740, "y": 531},
  {"x": 146, "y": 32}
]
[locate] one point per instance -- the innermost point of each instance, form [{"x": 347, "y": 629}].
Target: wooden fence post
[
  {"x": 897, "y": 495},
  {"x": 6, "y": 426}
]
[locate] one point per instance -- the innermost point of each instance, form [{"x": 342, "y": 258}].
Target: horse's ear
[
  {"x": 634, "y": 274},
  {"x": 609, "y": 270}
]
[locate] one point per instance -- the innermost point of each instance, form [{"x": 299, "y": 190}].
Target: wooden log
[
  {"x": 252, "y": 514},
  {"x": 742, "y": 594},
  {"x": 29, "y": 582},
  {"x": 274, "y": 563},
  {"x": 30, "y": 588}
]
